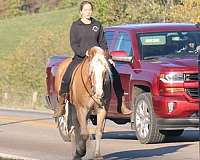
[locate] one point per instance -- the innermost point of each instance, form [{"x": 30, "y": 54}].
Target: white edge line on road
[
  {"x": 26, "y": 110},
  {"x": 3, "y": 155}
]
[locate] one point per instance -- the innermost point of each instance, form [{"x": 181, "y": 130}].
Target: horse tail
[{"x": 107, "y": 89}]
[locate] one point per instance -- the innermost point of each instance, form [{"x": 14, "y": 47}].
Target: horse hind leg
[
  {"x": 101, "y": 114},
  {"x": 80, "y": 143}
]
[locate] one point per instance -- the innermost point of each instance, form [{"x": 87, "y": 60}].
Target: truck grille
[
  {"x": 193, "y": 92},
  {"x": 191, "y": 77}
]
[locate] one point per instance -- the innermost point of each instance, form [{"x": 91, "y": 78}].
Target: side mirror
[{"x": 121, "y": 56}]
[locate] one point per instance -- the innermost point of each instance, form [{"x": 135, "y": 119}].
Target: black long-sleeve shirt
[{"x": 84, "y": 36}]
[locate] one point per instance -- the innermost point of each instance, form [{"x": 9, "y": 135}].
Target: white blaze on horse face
[
  {"x": 98, "y": 66},
  {"x": 99, "y": 81}
]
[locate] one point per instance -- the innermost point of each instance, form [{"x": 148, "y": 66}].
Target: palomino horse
[{"x": 90, "y": 89}]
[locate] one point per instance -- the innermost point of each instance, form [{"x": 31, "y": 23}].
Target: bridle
[{"x": 98, "y": 101}]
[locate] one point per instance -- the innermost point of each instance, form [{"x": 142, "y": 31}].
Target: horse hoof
[
  {"x": 77, "y": 157},
  {"x": 85, "y": 136},
  {"x": 68, "y": 138}
]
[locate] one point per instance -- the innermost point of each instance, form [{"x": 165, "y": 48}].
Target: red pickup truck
[{"x": 158, "y": 66}]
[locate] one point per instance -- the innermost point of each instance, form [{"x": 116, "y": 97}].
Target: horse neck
[{"x": 79, "y": 82}]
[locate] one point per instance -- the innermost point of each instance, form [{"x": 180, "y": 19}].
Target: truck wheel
[
  {"x": 145, "y": 120},
  {"x": 172, "y": 133}
]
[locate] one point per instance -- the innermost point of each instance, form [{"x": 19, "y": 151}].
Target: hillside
[
  {"x": 16, "y": 30},
  {"x": 26, "y": 44}
]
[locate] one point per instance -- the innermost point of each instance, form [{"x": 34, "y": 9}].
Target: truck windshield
[{"x": 177, "y": 43}]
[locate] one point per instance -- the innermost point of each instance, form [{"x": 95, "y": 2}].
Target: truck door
[{"x": 123, "y": 43}]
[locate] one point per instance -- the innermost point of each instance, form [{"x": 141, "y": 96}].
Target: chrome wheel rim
[
  {"x": 63, "y": 125},
  {"x": 142, "y": 119}
]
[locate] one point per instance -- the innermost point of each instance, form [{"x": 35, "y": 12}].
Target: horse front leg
[
  {"x": 82, "y": 118},
  {"x": 101, "y": 114}
]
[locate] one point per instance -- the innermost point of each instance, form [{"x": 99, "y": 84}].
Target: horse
[{"x": 90, "y": 90}]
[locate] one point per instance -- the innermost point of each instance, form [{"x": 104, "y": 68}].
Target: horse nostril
[
  {"x": 99, "y": 94},
  {"x": 102, "y": 95}
]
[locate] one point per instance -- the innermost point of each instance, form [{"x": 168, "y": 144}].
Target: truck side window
[
  {"x": 109, "y": 37},
  {"x": 124, "y": 43}
]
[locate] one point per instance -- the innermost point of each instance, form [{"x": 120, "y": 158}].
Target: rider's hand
[
  {"x": 198, "y": 49},
  {"x": 111, "y": 62}
]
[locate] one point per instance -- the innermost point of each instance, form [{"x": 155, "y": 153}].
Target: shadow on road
[
  {"x": 187, "y": 136},
  {"x": 125, "y": 135},
  {"x": 129, "y": 155}
]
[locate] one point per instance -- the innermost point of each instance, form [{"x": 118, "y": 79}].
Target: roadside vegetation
[
  {"x": 26, "y": 44},
  {"x": 31, "y": 31},
  {"x": 147, "y": 11}
]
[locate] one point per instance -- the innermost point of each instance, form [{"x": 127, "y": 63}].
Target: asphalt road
[{"x": 30, "y": 135}]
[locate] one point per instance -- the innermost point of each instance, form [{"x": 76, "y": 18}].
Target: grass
[
  {"x": 26, "y": 42},
  {"x": 16, "y": 30}
]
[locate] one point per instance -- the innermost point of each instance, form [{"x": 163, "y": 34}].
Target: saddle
[{"x": 60, "y": 73}]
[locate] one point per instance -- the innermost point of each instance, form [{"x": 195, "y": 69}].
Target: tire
[
  {"x": 172, "y": 133},
  {"x": 145, "y": 120}
]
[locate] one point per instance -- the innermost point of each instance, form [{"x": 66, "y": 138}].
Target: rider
[
  {"x": 191, "y": 46},
  {"x": 85, "y": 33}
]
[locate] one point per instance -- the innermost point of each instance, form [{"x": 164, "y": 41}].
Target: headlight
[{"x": 172, "y": 77}]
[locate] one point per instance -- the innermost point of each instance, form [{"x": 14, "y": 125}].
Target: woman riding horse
[
  {"x": 84, "y": 34},
  {"x": 90, "y": 90}
]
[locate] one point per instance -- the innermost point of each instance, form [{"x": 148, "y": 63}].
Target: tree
[
  {"x": 187, "y": 11},
  {"x": 126, "y": 11},
  {"x": 147, "y": 11}
]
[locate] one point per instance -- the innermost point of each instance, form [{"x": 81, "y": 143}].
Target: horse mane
[{"x": 93, "y": 51}]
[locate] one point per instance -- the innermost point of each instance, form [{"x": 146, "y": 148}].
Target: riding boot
[
  {"x": 60, "y": 109},
  {"x": 124, "y": 109}
]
